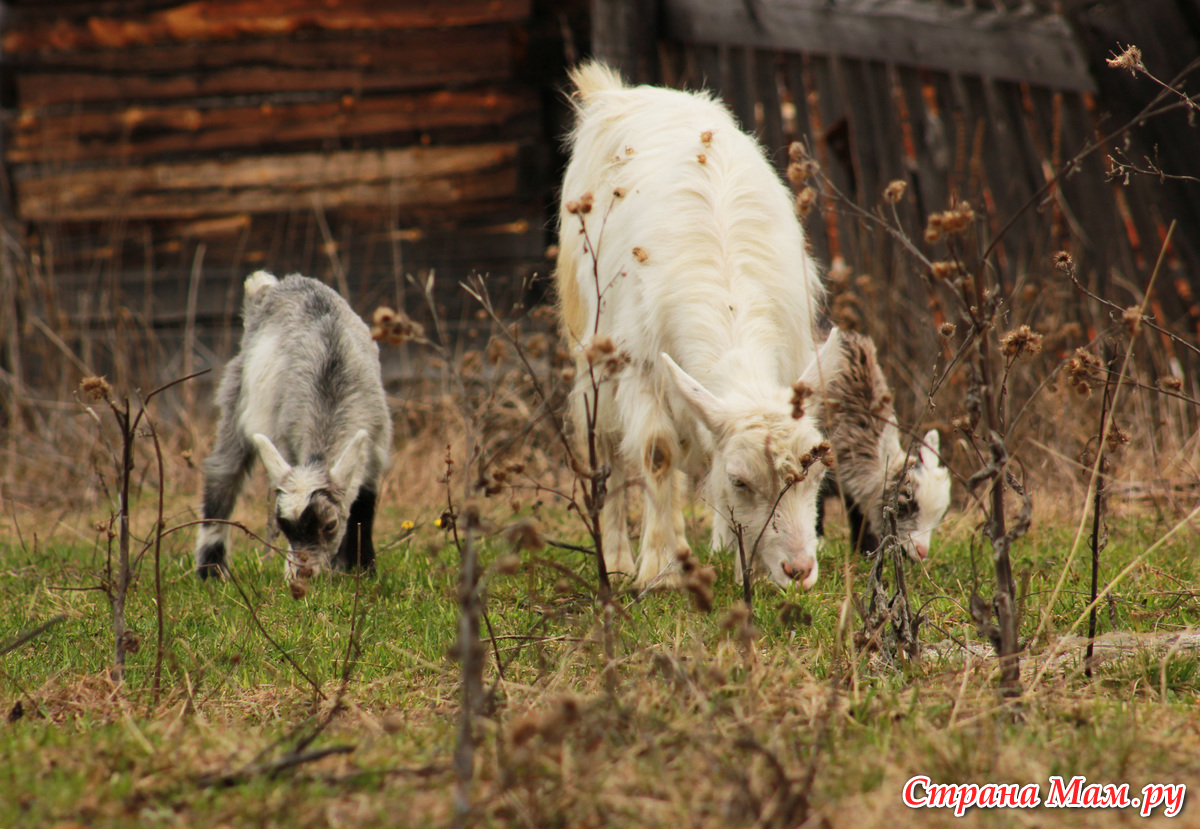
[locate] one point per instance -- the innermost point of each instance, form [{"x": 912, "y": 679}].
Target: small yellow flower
[
  {"x": 437, "y": 522},
  {"x": 407, "y": 525}
]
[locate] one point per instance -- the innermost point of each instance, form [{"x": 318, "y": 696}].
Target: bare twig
[
  {"x": 316, "y": 688},
  {"x": 272, "y": 769},
  {"x": 31, "y": 634}
]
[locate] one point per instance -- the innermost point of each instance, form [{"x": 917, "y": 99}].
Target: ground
[{"x": 700, "y": 720}]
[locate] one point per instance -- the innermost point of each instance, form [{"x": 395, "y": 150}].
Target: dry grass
[{"x": 701, "y": 726}]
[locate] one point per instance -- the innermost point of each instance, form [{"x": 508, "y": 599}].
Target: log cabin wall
[{"x": 158, "y": 151}]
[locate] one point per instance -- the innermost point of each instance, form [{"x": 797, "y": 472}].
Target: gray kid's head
[{"x": 312, "y": 502}]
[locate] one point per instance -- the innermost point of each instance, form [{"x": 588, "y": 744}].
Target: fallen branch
[
  {"x": 31, "y": 634},
  {"x": 272, "y": 769}
]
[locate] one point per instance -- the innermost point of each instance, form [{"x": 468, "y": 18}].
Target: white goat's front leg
[
  {"x": 724, "y": 541},
  {"x": 662, "y": 533},
  {"x": 614, "y": 526},
  {"x": 681, "y": 484},
  {"x": 651, "y": 443}
]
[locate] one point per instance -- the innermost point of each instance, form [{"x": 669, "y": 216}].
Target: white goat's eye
[
  {"x": 738, "y": 483},
  {"x": 331, "y": 526}
]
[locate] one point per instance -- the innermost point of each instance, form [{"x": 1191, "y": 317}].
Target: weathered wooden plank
[
  {"x": 999, "y": 192},
  {"x": 953, "y": 119},
  {"x": 890, "y": 157},
  {"x": 868, "y": 251},
  {"x": 159, "y": 130},
  {"x": 397, "y": 178},
  {"x": 866, "y": 128},
  {"x": 233, "y": 19},
  {"x": 829, "y": 121},
  {"x": 624, "y": 37},
  {"x": 492, "y": 184},
  {"x": 1080, "y": 199},
  {"x": 930, "y": 143},
  {"x": 1045, "y": 124},
  {"x": 1018, "y": 177},
  {"x": 905, "y": 154},
  {"x": 347, "y": 63},
  {"x": 833, "y": 147},
  {"x": 1105, "y": 240},
  {"x": 767, "y": 92},
  {"x": 891, "y": 150},
  {"x": 1015, "y": 182},
  {"x": 795, "y": 75},
  {"x": 899, "y": 31},
  {"x": 737, "y": 86},
  {"x": 708, "y": 67}
]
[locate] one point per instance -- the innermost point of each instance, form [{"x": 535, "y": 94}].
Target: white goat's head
[
  {"x": 312, "y": 501},
  {"x": 923, "y": 498},
  {"x": 766, "y": 470}
]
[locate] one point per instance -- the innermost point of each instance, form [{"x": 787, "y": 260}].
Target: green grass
[{"x": 690, "y": 734}]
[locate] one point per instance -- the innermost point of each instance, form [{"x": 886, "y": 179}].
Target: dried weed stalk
[
  {"x": 116, "y": 585},
  {"x": 956, "y": 260}
]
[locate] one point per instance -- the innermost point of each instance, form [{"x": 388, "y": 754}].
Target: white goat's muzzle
[{"x": 802, "y": 569}]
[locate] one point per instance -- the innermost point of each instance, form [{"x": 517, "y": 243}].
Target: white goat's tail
[
  {"x": 256, "y": 283},
  {"x": 592, "y": 77}
]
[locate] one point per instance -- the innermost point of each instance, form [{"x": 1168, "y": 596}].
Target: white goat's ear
[
  {"x": 929, "y": 450},
  {"x": 826, "y": 365},
  {"x": 704, "y": 403},
  {"x": 276, "y": 466},
  {"x": 350, "y": 468}
]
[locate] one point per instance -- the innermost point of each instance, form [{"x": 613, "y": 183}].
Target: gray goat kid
[
  {"x": 871, "y": 463},
  {"x": 305, "y": 395}
]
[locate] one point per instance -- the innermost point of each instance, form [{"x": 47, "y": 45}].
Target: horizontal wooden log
[
  {"x": 1038, "y": 50},
  {"x": 401, "y": 179},
  {"x": 164, "y": 130},
  {"x": 209, "y": 20},
  {"x": 392, "y": 60}
]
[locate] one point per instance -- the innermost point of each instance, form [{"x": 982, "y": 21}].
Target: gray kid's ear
[
  {"x": 276, "y": 466},
  {"x": 347, "y": 474},
  {"x": 929, "y": 450},
  {"x": 706, "y": 405}
]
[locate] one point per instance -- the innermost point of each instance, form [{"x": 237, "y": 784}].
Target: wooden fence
[{"x": 960, "y": 104}]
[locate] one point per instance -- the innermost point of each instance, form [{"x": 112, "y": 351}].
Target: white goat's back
[{"x": 721, "y": 261}]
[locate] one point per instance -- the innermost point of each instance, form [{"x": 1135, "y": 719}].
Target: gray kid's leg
[{"x": 224, "y": 475}]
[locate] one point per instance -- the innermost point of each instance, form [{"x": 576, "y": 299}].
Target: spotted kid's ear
[
  {"x": 276, "y": 466},
  {"x": 930, "y": 449}
]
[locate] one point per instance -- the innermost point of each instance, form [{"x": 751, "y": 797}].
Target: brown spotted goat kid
[
  {"x": 871, "y": 464},
  {"x": 304, "y": 394}
]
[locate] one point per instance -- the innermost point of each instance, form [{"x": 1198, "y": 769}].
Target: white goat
[
  {"x": 305, "y": 395},
  {"x": 871, "y": 463},
  {"x": 695, "y": 266}
]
